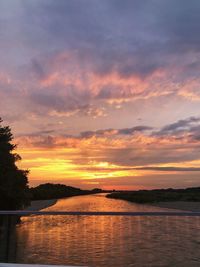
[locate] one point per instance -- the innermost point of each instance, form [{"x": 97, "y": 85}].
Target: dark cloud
[
  {"x": 180, "y": 21},
  {"x": 179, "y": 126},
  {"x": 129, "y": 37},
  {"x": 38, "y": 68},
  {"x": 169, "y": 169},
  {"x": 124, "y": 131},
  {"x": 52, "y": 101},
  {"x": 132, "y": 130},
  {"x": 48, "y": 100}
]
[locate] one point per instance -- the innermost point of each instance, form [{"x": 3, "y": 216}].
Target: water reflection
[
  {"x": 8, "y": 242},
  {"x": 108, "y": 241}
]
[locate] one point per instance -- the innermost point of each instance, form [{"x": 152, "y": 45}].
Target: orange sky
[
  {"x": 103, "y": 93},
  {"x": 105, "y": 161}
]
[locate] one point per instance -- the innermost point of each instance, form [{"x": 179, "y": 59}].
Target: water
[{"x": 108, "y": 241}]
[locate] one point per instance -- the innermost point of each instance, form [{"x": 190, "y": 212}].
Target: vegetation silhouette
[
  {"x": 54, "y": 191},
  {"x": 13, "y": 181},
  {"x": 158, "y": 195}
]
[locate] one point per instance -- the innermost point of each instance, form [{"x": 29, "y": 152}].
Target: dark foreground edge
[{"x": 100, "y": 213}]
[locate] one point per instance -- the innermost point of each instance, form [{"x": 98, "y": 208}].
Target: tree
[{"x": 13, "y": 181}]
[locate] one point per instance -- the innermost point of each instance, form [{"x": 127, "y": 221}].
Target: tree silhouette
[{"x": 13, "y": 181}]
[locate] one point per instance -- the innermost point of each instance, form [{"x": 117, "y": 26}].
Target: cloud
[
  {"x": 68, "y": 60},
  {"x": 170, "y": 169},
  {"x": 127, "y": 131},
  {"x": 148, "y": 52},
  {"x": 179, "y": 126},
  {"x": 38, "y": 69},
  {"x": 149, "y": 36},
  {"x": 72, "y": 63},
  {"x": 180, "y": 24},
  {"x": 127, "y": 147},
  {"x": 111, "y": 132}
]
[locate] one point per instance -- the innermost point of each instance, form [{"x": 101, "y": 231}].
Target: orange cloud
[{"x": 104, "y": 157}]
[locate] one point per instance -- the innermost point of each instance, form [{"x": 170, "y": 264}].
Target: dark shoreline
[
  {"x": 182, "y": 199},
  {"x": 37, "y": 205}
]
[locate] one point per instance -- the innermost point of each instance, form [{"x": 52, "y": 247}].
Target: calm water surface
[{"x": 108, "y": 241}]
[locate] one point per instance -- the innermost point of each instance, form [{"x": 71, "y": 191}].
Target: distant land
[
  {"x": 55, "y": 191},
  {"x": 158, "y": 195}
]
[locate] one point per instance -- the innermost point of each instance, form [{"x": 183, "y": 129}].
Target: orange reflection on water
[{"x": 108, "y": 241}]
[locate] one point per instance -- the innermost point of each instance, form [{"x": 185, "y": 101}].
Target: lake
[{"x": 107, "y": 241}]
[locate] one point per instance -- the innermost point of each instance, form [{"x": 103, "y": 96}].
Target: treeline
[
  {"x": 54, "y": 191},
  {"x": 13, "y": 181},
  {"x": 15, "y": 193},
  {"x": 158, "y": 195}
]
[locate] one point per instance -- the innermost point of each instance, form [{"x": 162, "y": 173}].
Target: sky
[{"x": 103, "y": 93}]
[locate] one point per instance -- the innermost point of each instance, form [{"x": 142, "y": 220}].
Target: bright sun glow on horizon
[{"x": 51, "y": 165}]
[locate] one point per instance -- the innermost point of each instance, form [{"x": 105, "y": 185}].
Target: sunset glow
[{"x": 107, "y": 98}]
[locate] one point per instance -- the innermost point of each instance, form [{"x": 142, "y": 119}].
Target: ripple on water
[{"x": 108, "y": 241}]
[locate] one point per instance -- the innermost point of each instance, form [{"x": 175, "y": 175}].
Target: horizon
[
  {"x": 103, "y": 94},
  {"x": 115, "y": 190}
]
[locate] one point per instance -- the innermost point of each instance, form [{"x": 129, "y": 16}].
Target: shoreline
[
  {"x": 178, "y": 205},
  {"x": 37, "y": 205}
]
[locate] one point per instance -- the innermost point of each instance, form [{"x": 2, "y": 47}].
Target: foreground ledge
[
  {"x": 100, "y": 213},
  {"x": 33, "y": 265}
]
